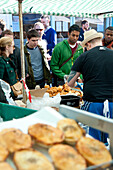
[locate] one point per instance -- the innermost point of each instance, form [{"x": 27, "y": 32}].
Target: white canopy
[{"x": 76, "y": 8}]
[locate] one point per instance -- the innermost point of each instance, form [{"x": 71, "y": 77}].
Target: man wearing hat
[{"x": 96, "y": 66}]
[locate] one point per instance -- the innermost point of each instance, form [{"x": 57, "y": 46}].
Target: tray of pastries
[{"x": 48, "y": 147}]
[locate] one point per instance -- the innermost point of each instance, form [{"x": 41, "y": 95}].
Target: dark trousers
[
  {"x": 57, "y": 81},
  {"x": 41, "y": 83}
]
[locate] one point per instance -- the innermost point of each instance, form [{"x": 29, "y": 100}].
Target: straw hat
[{"x": 90, "y": 35}]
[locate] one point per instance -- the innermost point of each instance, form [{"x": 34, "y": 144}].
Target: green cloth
[{"x": 61, "y": 53}]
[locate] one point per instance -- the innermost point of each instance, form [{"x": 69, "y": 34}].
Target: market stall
[
  {"x": 73, "y": 8},
  {"x": 47, "y": 115}
]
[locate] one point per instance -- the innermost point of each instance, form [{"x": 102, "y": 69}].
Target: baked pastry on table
[
  {"x": 31, "y": 160},
  {"x": 72, "y": 131},
  {"x": 45, "y": 135},
  {"x": 5, "y": 166},
  {"x": 94, "y": 151},
  {"x": 3, "y": 153},
  {"x": 13, "y": 139},
  {"x": 66, "y": 157}
]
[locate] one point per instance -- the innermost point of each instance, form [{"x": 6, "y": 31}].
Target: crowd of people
[{"x": 85, "y": 56}]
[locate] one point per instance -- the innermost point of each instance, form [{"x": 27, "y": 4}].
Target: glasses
[{"x": 39, "y": 29}]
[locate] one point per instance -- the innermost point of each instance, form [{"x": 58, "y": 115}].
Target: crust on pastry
[
  {"x": 66, "y": 157},
  {"x": 93, "y": 151},
  {"x": 5, "y": 166},
  {"x": 3, "y": 153},
  {"x": 46, "y": 135},
  {"x": 72, "y": 131},
  {"x": 14, "y": 139},
  {"x": 31, "y": 160}
]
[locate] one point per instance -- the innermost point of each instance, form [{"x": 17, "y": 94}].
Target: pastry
[
  {"x": 66, "y": 157},
  {"x": 72, "y": 131},
  {"x": 93, "y": 151},
  {"x": 46, "y": 135},
  {"x": 31, "y": 160},
  {"x": 5, "y": 166},
  {"x": 46, "y": 86},
  {"x": 13, "y": 139}
]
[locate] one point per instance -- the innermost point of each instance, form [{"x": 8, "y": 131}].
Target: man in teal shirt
[{"x": 64, "y": 55}]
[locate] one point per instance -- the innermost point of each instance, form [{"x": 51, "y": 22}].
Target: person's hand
[{"x": 27, "y": 75}]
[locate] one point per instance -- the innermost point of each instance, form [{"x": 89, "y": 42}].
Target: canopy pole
[{"x": 22, "y": 47}]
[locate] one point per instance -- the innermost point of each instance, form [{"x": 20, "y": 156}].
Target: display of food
[
  {"x": 66, "y": 157},
  {"x": 13, "y": 139},
  {"x": 25, "y": 154},
  {"x": 46, "y": 135},
  {"x": 62, "y": 90},
  {"x": 94, "y": 151},
  {"x": 31, "y": 160},
  {"x": 72, "y": 130},
  {"x": 5, "y": 166}
]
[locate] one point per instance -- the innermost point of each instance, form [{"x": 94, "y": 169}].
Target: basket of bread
[{"x": 66, "y": 145}]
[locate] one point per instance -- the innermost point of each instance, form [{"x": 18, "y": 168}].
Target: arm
[
  {"x": 72, "y": 82},
  {"x": 53, "y": 40}
]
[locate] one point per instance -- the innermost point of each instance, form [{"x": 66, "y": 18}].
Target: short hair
[
  {"x": 74, "y": 27},
  {"x": 45, "y": 16},
  {"x": 38, "y": 23},
  {"x": 8, "y": 32},
  {"x": 32, "y": 33},
  {"x": 109, "y": 28},
  {"x": 83, "y": 22}
]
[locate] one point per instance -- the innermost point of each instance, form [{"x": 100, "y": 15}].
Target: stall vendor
[{"x": 96, "y": 66}]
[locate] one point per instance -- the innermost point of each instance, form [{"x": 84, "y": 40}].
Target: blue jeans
[{"x": 97, "y": 108}]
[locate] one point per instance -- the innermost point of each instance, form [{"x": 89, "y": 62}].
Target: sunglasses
[{"x": 39, "y": 29}]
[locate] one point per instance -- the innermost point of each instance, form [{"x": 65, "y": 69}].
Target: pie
[
  {"x": 72, "y": 131},
  {"x": 5, "y": 165},
  {"x": 31, "y": 160},
  {"x": 65, "y": 157},
  {"x": 93, "y": 151},
  {"x": 13, "y": 139},
  {"x": 46, "y": 135}
]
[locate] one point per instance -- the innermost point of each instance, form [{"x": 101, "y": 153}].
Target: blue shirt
[{"x": 51, "y": 38}]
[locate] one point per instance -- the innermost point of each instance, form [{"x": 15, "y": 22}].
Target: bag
[{"x": 17, "y": 88}]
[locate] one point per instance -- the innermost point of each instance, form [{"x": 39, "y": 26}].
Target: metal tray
[{"x": 49, "y": 116}]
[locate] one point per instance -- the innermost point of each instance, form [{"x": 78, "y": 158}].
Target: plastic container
[
  {"x": 8, "y": 112},
  {"x": 70, "y": 100}
]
